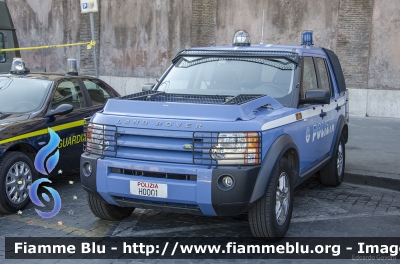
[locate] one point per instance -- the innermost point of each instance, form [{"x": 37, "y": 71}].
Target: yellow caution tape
[{"x": 89, "y": 44}]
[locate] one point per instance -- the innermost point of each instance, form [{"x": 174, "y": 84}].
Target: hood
[{"x": 188, "y": 111}]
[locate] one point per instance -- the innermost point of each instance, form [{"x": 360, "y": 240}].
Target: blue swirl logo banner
[
  {"x": 35, "y": 199},
  {"x": 47, "y": 158},
  {"x": 45, "y": 161}
]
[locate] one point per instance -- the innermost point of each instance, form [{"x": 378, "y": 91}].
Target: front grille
[
  {"x": 187, "y": 98},
  {"x": 154, "y": 145},
  {"x": 152, "y": 174},
  {"x": 155, "y": 205},
  {"x": 243, "y": 53},
  {"x": 243, "y": 98},
  {"x": 283, "y": 65}
]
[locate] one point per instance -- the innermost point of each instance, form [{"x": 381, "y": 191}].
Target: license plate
[{"x": 149, "y": 189}]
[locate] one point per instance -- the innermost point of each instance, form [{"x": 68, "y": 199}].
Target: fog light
[
  {"x": 225, "y": 182},
  {"x": 87, "y": 169}
]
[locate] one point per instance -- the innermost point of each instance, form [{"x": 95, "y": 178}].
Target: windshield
[
  {"x": 231, "y": 76},
  {"x": 22, "y": 95}
]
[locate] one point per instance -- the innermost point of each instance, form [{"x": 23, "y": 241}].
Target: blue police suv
[
  {"x": 226, "y": 130},
  {"x": 30, "y": 103}
]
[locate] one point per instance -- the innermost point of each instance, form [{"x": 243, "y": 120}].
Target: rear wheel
[
  {"x": 17, "y": 174},
  {"x": 270, "y": 216},
  {"x": 332, "y": 173},
  {"x": 108, "y": 211}
]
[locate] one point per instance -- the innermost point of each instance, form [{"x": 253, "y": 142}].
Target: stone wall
[
  {"x": 353, "y": 40},
  {"x": 204, "y": 16},
  {"x": 85, "y": 35},
  {"x": 384, "y": 55},
  {"x": 140, "y": 38},
  {"x": 135, "y": 38},
  {"x": 47, "y": 22},
  {"x": 283, "y": 21}
]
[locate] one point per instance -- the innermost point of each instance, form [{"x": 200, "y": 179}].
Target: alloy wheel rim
[
  {"x": 282, "y": 198},
  {"x": 18, "y": 182},
  {"x": 340, "y": 161}
]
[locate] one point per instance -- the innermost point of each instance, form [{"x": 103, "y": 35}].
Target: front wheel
[
  {"x": 332, "y": 173},
  {"x": 270, "y": 216},
  {"x": 17, "y": 174},
  {"x": 108, "y": 211}
]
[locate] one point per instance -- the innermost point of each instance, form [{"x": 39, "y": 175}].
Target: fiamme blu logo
[{"x": 45, "y": 161}]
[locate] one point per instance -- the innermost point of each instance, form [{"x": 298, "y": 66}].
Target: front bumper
[{"x": 191, "y": 188}]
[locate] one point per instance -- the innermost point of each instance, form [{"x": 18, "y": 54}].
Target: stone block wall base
[
  {"x": 373, "y": 102},
  {"x": 127, "y": 85}
]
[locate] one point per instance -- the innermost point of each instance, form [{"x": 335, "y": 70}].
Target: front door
[
  {"x": 318, "y": 120},
  {"x": 69, "y": 127}
]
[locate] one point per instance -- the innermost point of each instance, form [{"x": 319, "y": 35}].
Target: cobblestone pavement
[{"x": 319, "y": 211}]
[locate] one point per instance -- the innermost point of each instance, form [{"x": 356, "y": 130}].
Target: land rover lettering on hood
[{"x": 226, "y": 130}]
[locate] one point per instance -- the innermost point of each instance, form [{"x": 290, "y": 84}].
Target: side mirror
[
  {"x": 60, "y": 110},
  {"x": 316, "y": 96},
  {"x": 147, "y": 87}
]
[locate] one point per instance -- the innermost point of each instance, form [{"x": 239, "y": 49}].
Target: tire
[
  {"x": 332, "y": 173},
  {"x": 17, "y": 174},
  {"x": 108, "y": 211},
  {"x": 263, "y": 219}
]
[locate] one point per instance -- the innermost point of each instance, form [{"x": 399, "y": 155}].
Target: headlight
[
  {"x": 237, "y": 148},
  {"x": 96, "y": 141}
]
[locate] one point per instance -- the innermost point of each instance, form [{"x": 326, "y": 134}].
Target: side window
[
  {"x": 68, "y": 92},
  {"x": 2, "y": 46},
  {"x": 309, "y": 76},
  {"x": 99, "y": 93},
  {"x": 325, "y": 83}
]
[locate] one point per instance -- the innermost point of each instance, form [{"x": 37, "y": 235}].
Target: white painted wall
[
  {"x": 127, "y": 85},
  {"x": 373, "y": 102}
]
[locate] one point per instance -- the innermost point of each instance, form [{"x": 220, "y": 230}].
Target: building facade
[{"x": 137, "y": 39}]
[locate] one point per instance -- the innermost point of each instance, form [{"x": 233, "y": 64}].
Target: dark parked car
[{"x": 30, "y": 103}]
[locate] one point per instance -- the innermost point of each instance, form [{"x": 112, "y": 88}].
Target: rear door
[
  {"x": 98, "y": 93},
  {"x": 330, "y": 115}
]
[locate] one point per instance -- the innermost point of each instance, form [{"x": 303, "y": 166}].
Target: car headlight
[
  {"x": 237, "y": 148},
  {"x": 96, "y": 141}
]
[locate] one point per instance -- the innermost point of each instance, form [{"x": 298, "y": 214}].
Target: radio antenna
[{"x": 262, "y": 30}]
